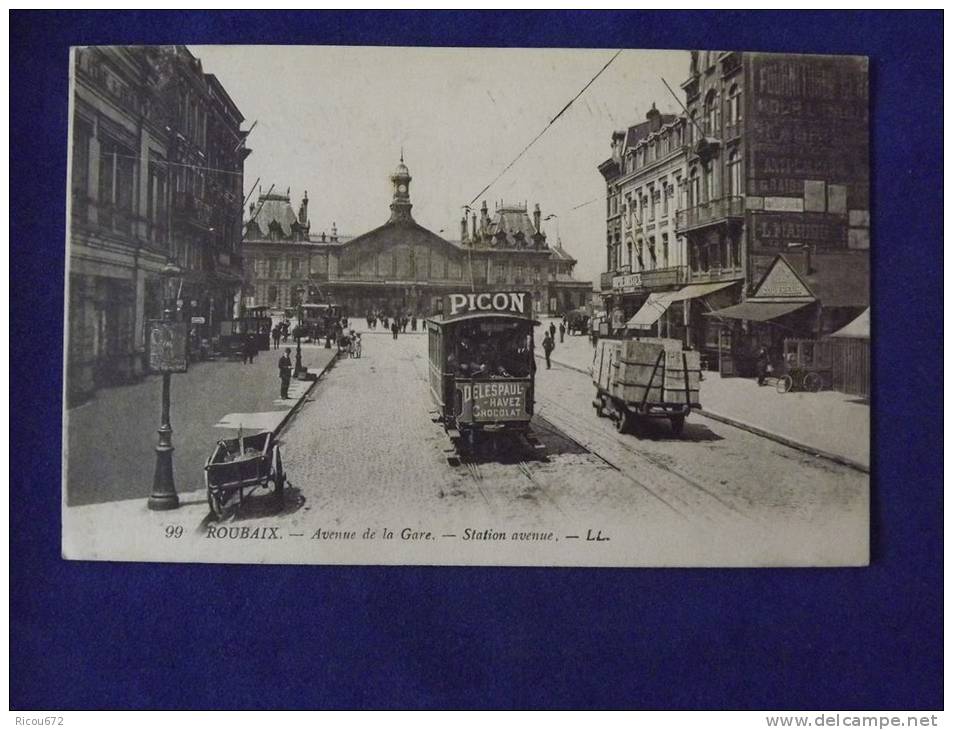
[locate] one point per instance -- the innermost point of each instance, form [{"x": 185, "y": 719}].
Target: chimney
[
  {"x": 484, "y": 218},
  {"x": 303, "y": 210},
  {"x": 473, "y": 235},
  {"x": 463, "y": 229},
  {"x": 334, "y": 231},
  {"x": 655, "y": 118},
  {"x": 536, "y": 217}
]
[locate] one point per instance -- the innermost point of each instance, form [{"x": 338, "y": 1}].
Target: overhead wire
[{"x": 544, "y": 130}]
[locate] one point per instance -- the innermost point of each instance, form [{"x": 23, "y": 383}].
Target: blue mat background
[{"x": 101, "y": 635}]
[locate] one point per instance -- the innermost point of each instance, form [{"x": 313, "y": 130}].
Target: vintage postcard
[{"x": 447, "y": 306}]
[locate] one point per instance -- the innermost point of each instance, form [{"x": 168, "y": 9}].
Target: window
[
  {"x": 272, "y": 268},
  {"x": 652, "y": 255},
  {"x": 629, "y": 252},
  {"x": 79, "y": 175},
  {"x": 710, "y": 182},
  {"x": 519, "y": 273},
  {"x": 156, "y": 209},
  {"x": 734, "y": 104},
  {"x": 651, "y": 202},
  {"x": 116, "y": 165},
  {"x": 691, "y": 129},
  {"x": 664, "y": 259},
  {"x": 295, "y": 267},
  {"x": 501, "y": 272},
  {"x": 272, "y": 294},
  {"x": 735, "y": 186},
  {"x": 711, "y": 113},
  {"x": 694, "y": 192},
  {"x": 665, "y": 194}
]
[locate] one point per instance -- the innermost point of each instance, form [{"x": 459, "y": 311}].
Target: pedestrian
[
  {"x": 552, "y": 332},
  {"x": 413, "y": 323},
  {"x": 762, "y": 364},
  {"x": 276, "y": 336},
  {"x": 562, "y": 331},
  {"x": 284, "y": 372},
  {"x": 548, "y": 345},
  {"x": 394, "y": 329}
]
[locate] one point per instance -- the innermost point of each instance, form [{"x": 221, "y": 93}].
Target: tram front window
[{"x": 492, "y": 350}]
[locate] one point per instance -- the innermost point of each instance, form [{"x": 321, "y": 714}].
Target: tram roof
[{"x": 470, "y": 316}]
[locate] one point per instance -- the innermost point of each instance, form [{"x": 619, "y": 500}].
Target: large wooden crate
[
  {"x": 640, "y": 372},
  {"x": 648, "y": 371},
  {"x": 682, "y": 368}
]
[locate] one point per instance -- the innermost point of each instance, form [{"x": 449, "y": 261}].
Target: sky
[{"x": 332, "y": 120}]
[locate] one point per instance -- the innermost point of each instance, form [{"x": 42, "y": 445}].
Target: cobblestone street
[{"x": 365, "y": 452}]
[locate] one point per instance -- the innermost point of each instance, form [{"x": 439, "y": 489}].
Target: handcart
[{"x": 242, "y": 464}]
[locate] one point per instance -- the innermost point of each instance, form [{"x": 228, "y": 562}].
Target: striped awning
[{"x": 653, "y": 308}]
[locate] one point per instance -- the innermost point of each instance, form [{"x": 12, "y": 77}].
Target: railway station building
[{"x": 401, "y": 266}]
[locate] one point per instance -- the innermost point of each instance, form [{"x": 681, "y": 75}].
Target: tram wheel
[
  {"x": 812, "y": 382},
  {"x": 785, "y": 383}
]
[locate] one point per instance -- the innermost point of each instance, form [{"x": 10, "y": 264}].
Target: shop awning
[
  {"x": 756, "y": 311},
  {"x": 858, "y": 329},
  {"x": 693, "y": 291},
  {"x": 653, "y": 308}
]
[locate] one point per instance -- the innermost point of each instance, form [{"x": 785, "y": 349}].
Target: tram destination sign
[{"x": 501, "y": 302}]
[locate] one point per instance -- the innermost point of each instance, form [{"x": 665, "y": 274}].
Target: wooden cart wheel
[
  {"x": 785, "y": 383},
  {"x": 279, "y": 474},
  {"x": 678, "y": 425},
  {"x": 622, "y": 421},
  {"x": 812, "y": 382},
  {"x": 215, "y": 503}
]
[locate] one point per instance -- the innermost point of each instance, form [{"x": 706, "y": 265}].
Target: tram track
[{"x": 682, "y": 499}]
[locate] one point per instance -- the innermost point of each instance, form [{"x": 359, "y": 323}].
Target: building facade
[
  {"x": 155, "y": 175},
  {"x": 647, "y": 176},
  {"x": 776, "y": 165},
  {"x": 400, "y": 266}
]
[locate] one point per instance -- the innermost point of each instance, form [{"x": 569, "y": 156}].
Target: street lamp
[
  {"x": 162, "y": 354},
  {"x": 298, "y": 368}
]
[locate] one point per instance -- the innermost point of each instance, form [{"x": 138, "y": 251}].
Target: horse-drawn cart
[{"x": 241, "y": 464}]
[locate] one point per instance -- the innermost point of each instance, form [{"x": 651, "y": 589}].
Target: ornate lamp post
[
  {"x": 298, "y": 368},
  {"x": 166, "y": 355}
]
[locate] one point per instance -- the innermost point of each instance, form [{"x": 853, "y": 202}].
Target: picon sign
[{"x": 501, "y": 302}]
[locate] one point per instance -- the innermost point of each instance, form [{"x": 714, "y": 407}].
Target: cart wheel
[
  {"x": 279, "y": 474},
  {"x": 678, "y": 425},
  {"x": 622, "y": 421},
  {"x": 785, "y": 383},
  {"x": 215, "y": 504},
  {"x": 812, "y": 382}
]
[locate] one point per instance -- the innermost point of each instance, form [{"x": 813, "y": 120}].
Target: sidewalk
[
  {"x": 829, "y": 423},
  {"x": 111, "y": 439}
]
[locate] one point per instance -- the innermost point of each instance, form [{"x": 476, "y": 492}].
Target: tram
[
  {"x": 482, "y": 365},
  {"x": 317, "y": 320}
]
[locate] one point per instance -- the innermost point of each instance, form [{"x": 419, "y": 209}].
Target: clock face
[{"x": 401, "y": 188}]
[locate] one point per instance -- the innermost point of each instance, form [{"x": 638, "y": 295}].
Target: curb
[
  {"x": 304, "y": 396},
  {"x": 783, "y": 440}
]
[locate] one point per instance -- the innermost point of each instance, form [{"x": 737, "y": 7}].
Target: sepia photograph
[{"x": 467, "y": 306}]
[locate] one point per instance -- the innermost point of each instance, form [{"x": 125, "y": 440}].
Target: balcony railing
[
  {"x": 732, "y": 130},
  {"x": 717, "y": 273},
  {"x": 189, "y": 207},
  {"x": 623, "y": 281},
  {"x": 710, "y": 213}
]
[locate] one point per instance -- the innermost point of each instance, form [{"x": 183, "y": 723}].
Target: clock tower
[{"x": 400, "y": 206}]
